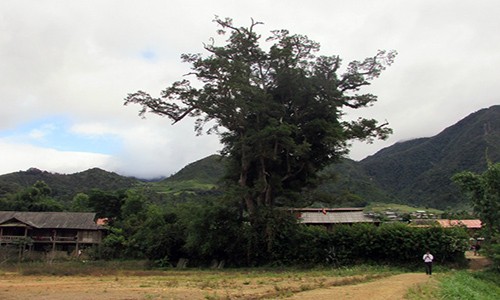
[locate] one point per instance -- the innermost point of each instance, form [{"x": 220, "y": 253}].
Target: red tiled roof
[{"x": 470, "y": 224}]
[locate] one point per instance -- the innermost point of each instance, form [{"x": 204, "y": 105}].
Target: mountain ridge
[
  {"x": 427, "y": 164},
  {"x": 65, "y": 186}
]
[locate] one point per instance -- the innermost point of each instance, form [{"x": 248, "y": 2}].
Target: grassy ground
[
  {"x": 464, "y": 285},
  {"x": 461, "y": 285}
]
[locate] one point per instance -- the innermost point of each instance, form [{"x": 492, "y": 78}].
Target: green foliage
[
  {"x": 34, "y": 198},
  {"x": 64, "y": 187},
  {"x": 213, "y": 231},
  {"x": 217, "y": 230},
  {"x": 466, "y": 285},
  {"x": 208, "y": 170},
  {"x": 346, "y": 184},
  {"x": 81, "y": 203},
  {"x": 160, "y": 237},
  {"x": 134, "y": 205},
  {"x": 392, "y": 243},
  {"x": 106, "y": 204},
  {"x": 142, "y": 230},
  {"x": 484, "y": 192},
  {"x": 113, "y": 245},
  {"x": 271, "y": 238}
]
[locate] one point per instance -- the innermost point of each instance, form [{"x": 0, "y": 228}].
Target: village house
[
  {"x": 68, "y": 232},
  {"x": 329, "y": 217},
  {"x": 473, "y": 226}
]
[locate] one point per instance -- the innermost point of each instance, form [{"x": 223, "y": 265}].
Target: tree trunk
[{"x": 249, "y": 201}]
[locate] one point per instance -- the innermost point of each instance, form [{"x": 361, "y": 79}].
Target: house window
[{"x": 13, "y": 231}]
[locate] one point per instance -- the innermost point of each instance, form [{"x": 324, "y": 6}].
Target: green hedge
[{"x": 393, "y": 243}]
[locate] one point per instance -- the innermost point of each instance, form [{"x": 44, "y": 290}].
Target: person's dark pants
[{"x": 428, "y": 268}]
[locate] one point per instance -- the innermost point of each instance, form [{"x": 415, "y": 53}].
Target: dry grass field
[
  {"x": 210, "y": 285},
  {"x": 118, "y": 281}
]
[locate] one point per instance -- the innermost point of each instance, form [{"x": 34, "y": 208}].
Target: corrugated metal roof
[
  {"x": 55, "y": 220},
  {"x": 316, "y": 209},
  {"x": 471, "y": 224},
  {"x": 334, "y": 217}
]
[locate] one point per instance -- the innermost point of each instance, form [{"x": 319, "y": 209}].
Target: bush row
[
  {"x": 207, "y": 233},
  {"x": 392, "y": 243}
]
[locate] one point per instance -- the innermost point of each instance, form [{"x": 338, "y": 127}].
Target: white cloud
[
  {"x": 93, "y": 129},
  {"x": 20, "y": 157}
]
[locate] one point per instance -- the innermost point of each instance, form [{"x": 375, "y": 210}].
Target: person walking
[
  {"x": 477, "y": 247},
  {"x": 428, "y": 258}
]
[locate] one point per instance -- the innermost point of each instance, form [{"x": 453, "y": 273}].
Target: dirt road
[{"x": 389, "y": 288}]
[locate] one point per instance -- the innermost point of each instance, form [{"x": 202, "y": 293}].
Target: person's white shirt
[{"x": 428, "y": 257}]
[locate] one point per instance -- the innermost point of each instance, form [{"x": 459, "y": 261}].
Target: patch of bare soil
[{"x": 477, "y": 262}]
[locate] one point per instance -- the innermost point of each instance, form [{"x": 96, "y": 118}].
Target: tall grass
[
  {"x": 460, "y": 285},
  {"x": 465, "y": 285}
]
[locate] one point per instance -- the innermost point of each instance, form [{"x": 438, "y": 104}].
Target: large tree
[{"x": 276, "y": 105}]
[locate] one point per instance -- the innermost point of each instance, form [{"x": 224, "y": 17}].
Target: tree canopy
[
  {"x": 484, "y": 192},
  {"x": 276, "y": 105}
]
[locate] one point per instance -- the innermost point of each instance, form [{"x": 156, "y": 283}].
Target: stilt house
[{"x": 50, "y": 231}]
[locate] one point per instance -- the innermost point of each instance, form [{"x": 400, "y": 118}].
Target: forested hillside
[
  {"x": 419, "y": 171},
  {"x": 200, "y": 178},
  {"x": 347, "y": 184},
  {"x": 65, "y": 186}
]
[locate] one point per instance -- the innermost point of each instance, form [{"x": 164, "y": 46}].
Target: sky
[{"x": 66, "y": 66}]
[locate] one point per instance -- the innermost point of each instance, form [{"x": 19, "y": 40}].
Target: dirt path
[
  {"x": 477, "y": 262},
  {"x": 393, "y": 287},
  {"x": 389, "y": 288}
]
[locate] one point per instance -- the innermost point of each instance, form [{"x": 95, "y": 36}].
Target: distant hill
[
  {"x": 200, "y": 177},
  {"x": 65, "y": 186},
  {"x": 348, "y": 179},
  {"x": 419, "y": 171},
  {"x": 207, "y": 170}
]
